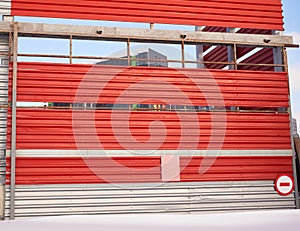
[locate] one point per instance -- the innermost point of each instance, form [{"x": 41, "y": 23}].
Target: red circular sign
[{"x": 284, "y": 184}]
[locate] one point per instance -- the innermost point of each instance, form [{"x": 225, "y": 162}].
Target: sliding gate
[{"x": 144, "y": 138}]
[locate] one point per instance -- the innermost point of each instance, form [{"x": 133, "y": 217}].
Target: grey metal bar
[
  {"x": 140, "y": 59},
  {"x": 14, "y": 122},
  {"x": 199, "y": 50},
  {"x": 235, "y": 57},
  {"x": 292, "y": 137},
  {"x": 231, "y": 51},
  {"x": 128, "y": 52},
  {"x": 182, "y": 53},
  {"x": 277, "y": 55},
  {"x": 71, "y": 49}
]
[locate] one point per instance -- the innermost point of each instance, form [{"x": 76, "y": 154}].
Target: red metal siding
[
  {"x": 236, "y": 168},
  {"x": 264, "y": 14},
  {"x": 220, "y": 54},
  {"x": 264, "y": 56},
  {"x": 45, "y": 82},
  {"x": 144, "y": 169},
  {"x": 53, "y": 129}
]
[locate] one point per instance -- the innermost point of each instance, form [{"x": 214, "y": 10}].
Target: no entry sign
[{"x": 284, "y": 185}]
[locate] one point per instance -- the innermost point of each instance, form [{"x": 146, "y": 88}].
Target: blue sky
[{"x": 292, "y": 27}]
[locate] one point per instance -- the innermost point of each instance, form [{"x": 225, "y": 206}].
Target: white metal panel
[
  {"x": 49, "y": 200},
  {"x": 5, "y": 7}
]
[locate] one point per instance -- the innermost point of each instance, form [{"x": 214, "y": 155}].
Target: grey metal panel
[
  {"x": 5, "y": 7},
  {"x": 49, "y": 200},
  {"x": 4, "y": 49}
]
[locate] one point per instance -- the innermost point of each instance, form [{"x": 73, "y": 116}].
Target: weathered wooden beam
[{"x": 146, "y": 35}]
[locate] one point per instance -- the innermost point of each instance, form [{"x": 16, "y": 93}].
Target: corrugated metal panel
[
  {"x": 36, "y": 171},
  {"x": 4, "y": 49},
  {"x": 54, "y": 200},
  {"x": 5, "y": 7},
  {"x": 3, "y": 126},
  {"x": 75, "y": 170},
  {"x": 264, "y": 56},
  {"x": 235, "y": 168},
  {"x": 265, "y": 14},
  {"x": 220, "y": 54},
  {"x": 254, "y": 31},
  {"x": 45, "y": 82},
  {"x": 53, "y": 129}
]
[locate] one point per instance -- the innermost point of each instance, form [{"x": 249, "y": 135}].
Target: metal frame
[
  {"x": 14, "y": 121},
  {"x": 146, "y": 35},
  {"x": 292, "y": 138},
  {"x": 128, "y": 35}
]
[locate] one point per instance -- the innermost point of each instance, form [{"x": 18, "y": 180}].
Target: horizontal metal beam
[
  {"x": 146, "y": 35},
  {"x": 126, "y": 153}
]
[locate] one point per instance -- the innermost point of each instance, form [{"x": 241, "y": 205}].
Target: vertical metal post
[
  {"x": 235, "y": 56},
  {"x": 71, "y": 49},
  {"x": 14, "y": 122},
  {"x": 199, "y": 50},
  {"x": 278, "y": 55},
  {"x": 182, "y": 53},
  {"x": 231, "y": 50},
  {"x": 291, "y": 131},
  {"x": 128, "y": 52}
]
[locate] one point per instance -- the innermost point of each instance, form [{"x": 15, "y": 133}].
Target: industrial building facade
[{"x": 215, "y": 138}]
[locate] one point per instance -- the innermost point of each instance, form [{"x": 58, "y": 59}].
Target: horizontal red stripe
[
  {"x": 235, "y": 168},
  {"x": 66, "y": 170},
  {"x": 55, "y": 129},
  {"x": 42, "y": 82}
]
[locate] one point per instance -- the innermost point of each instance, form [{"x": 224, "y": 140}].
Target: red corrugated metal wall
[
  {"x": 264, "y": 14},
  {"x": 45, "y": 82},
  {"x": 144, "y": 169},
  {"x": 53, "y": 129}
]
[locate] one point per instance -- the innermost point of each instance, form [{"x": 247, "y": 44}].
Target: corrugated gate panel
[
  {"x": 36, "y": 171},
  {"x": 54, "y": 129},
  {"x": 54, "y": 200},
  {"x": 44, "y": 82},
  {"x": 265, "y": 14}
]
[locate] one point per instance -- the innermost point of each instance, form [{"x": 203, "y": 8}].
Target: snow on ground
[{"x": 284, "y": 220}]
